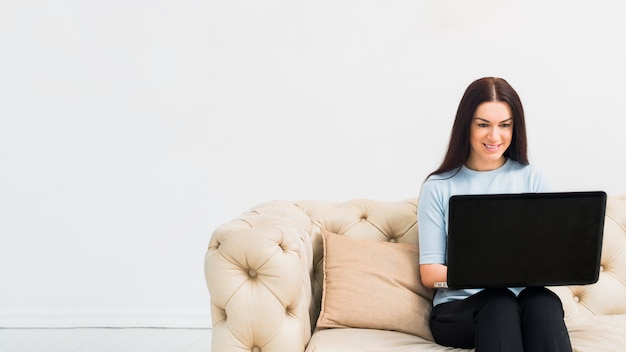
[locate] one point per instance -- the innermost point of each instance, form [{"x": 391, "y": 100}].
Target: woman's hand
[{"x": 432, "y": 273}]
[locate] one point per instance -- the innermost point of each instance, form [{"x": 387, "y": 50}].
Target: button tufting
[
  {"x": 256, "y": 349},
  {"x": 576, "y": 299},
  {"x": 252, "y": 273},
  {"x": 601, "y": 267},
  {"x": 393, "y": 240}
]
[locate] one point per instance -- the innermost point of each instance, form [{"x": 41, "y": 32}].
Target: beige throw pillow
[{"x": 374, "y": 285}]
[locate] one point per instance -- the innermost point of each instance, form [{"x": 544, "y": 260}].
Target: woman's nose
[{"x": 494, "y": 133}]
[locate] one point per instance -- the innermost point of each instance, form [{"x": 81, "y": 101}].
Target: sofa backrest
[
  {"x": 363, "y": 219},
  {"x": 396, "y": 221}
]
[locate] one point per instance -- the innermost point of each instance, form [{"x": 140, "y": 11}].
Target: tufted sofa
[{"x": 265, "y": 274}]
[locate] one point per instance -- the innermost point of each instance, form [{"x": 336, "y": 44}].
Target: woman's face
[{"x": 491, "y": 132}]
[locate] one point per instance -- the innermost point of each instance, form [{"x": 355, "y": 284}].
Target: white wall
[{"x": 131, "y": 129}]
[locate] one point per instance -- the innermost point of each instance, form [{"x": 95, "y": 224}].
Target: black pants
[{"x": 497, "y": 320}]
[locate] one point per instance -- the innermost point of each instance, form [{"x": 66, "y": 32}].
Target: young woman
[{"x": 487, "y": 153}]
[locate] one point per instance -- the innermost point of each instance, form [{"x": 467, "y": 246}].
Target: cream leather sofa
[{"x": 265, "y": 274}]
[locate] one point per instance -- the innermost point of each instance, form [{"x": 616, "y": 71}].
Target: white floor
[{"x": 105, "y": 340}]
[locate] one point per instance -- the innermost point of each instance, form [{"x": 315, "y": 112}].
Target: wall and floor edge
[{"x": 106, "y": 318}]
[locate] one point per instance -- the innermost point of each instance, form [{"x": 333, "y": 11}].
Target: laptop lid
[{"x": 522, "y": 240}]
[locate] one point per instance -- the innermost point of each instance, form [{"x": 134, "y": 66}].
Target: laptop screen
[{"x": 521, "y": 240}]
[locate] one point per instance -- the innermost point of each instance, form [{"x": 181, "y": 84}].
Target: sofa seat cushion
[
  {"x": 371, "y": 340},
  {"x": 589, "y": 334},
  {"x": 602, "y": 333}
]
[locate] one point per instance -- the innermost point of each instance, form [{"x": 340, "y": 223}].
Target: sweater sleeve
[
  {"x": 431, "y": 222},
  {"x": 539, "y": 181}
]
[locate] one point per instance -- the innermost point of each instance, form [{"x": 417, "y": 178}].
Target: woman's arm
[
  {"x": 431, "y": 213},
  {"x": 432, "y": 273}
]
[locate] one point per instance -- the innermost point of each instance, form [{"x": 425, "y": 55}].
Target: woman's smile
[{"x": 492, "y": 147}]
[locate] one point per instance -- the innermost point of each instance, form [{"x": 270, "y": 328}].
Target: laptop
[{"x": 524, "y": 240}]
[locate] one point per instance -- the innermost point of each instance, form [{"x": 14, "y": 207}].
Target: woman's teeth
[{"x": 492, "y": 146}]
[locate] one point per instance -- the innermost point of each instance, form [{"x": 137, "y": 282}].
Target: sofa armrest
[{"x": 257, "y": 272}]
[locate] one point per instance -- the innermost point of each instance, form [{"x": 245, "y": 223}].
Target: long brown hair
[{"x": 486, "y": 89}]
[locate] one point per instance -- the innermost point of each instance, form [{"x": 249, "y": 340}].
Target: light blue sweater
[{"x": 432, "y": 211}]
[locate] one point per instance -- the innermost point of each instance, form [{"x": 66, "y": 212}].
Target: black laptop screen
[{"x": 536, "y": 239}]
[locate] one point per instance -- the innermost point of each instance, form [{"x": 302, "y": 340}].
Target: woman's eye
[
  {"x": 505, "y": 125},
  {"x": 482, "y": 125}
]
